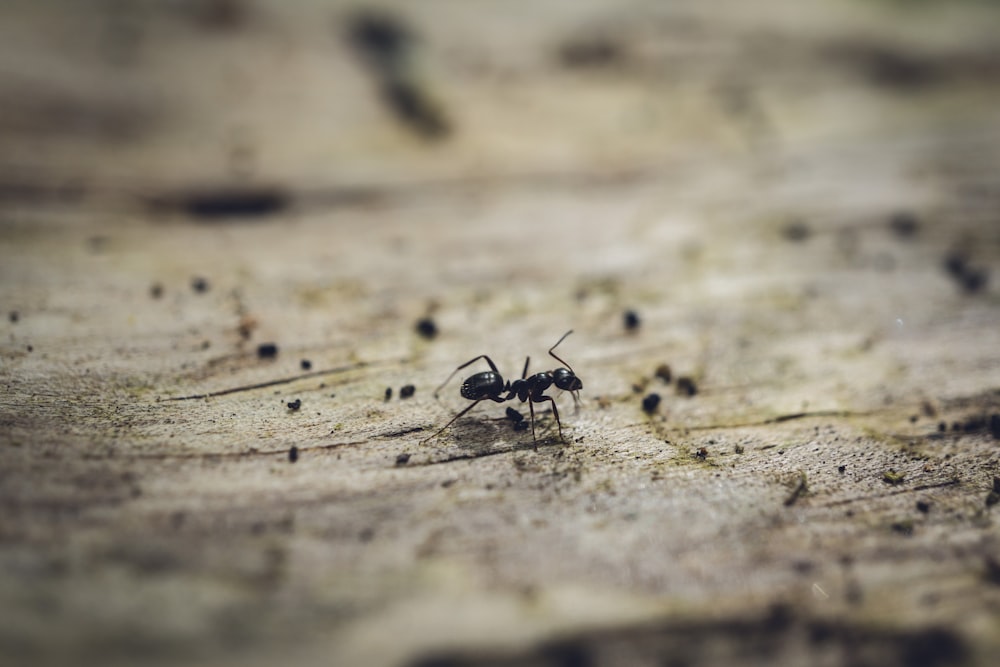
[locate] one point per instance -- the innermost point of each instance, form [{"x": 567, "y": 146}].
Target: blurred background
[{"x": 330, "y": 98}]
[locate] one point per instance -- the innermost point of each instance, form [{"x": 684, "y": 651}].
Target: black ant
[{"x": 490, "y": 385}]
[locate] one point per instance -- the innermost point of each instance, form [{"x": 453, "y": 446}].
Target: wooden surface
[{"x": 801, "y": 205}]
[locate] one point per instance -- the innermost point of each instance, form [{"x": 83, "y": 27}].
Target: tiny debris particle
[
  {"x": 293, "y": 454},
  {"x": 740, "y": 449},
  {"x": 650, "y": 403},
  {"x": 663, "y": 372},
  {"x": 841, "y": 469},
  {"x": 969, "y": 278},
  {"x": 199, "y": 285},
  {"x": 224, "y": 205},
  {"x": 893, "y": 477},
  {"x": 992, "y": 570},
  {"x": 407, "y": 391},
  {"x": 904, "y": 224},
  {"x": 379, "y": 37},
  {"x": 904, "y": 527},
  {"x": 973, "y": 424},
  {"x": 796, "y": 231},
  {"x": 267, "y": 350},
  {"x": 686, "y": 386},
  {"x": 923, "y": 506},
  {"x": 591, "y": 52},
  {"x": 413, "y": 106},
  {"x": 14, "y": 316},
  {"x": 402, "y": 459},
  {"x": 942, "y": 427},
  {"x": 156, "y": 290},
  {"x": 800, "y": 489},
  {"x": 426, "y": 328},
  {"x": 305, "y": 365},
  {"x": 973, "y": 280},
  {"x": 388, "y": 393},
  {"x": 246, "y": 326},
  {"x": 514, "y": 415},
  {"x": 702, "y": 453},
  {"x": 294, "y": 405},
  {"x": 631, "y": 320}
]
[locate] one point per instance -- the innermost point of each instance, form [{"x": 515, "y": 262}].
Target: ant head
[{"x": 566, "y": 380}]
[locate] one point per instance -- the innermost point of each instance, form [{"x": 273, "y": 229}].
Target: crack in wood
[
  {"x": 480, "y": 455},
  {"x": 282, "y": 381},
  {"x": 877, "y": 496}
]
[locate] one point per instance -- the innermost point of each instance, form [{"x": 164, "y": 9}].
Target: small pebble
[
  {"x": 407, "y": 391},
  {"x": 650, "y": 403},
  {"x": 267, "y": 350},
  {"x": 199, "y": 284},
  {"x": 402, "y": 459},
  {"x": 294, "y": 405},
  {"x": 686, "y": 386},
  {"x": 293, "y": 454},
  {"x": 305, "y": 365},
  {"x": 427, "y": 328},
  {"x": 631, "y": 320},
  {"x": 796, "y": 231},
  {"x": 904, "y": 224},
  {"x": 388, "y": 393}
]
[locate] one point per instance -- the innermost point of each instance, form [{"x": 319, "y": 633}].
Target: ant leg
[
  {"x": 524, "y": 373},
  {"x": 534, "y": 440},
  {"x": 553, "y": 354},
  {"x": 467, "y": 363},
  {"x": 451, "y": 422},
  {"x": 555, "y": 412}
]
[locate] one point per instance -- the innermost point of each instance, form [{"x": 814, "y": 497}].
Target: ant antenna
[{"x": 557, "y": 345}]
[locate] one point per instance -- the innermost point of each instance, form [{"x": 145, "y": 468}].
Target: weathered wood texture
[{"x": 801, "y": 204}]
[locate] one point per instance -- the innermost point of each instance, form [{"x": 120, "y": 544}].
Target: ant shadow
[{"x": 488, "y": 436}]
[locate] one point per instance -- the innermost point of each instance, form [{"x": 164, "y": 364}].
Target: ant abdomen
[{"x": 482, "y": 385}]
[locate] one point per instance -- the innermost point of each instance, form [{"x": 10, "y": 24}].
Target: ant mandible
[{"x": 490, "y": 385}]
